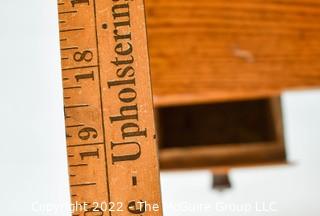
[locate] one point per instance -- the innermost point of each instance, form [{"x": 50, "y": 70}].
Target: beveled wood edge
[
  {"x": 231, "y": 155},
  {"x": 218, "y": 96}
]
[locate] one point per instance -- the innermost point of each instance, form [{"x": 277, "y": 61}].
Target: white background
[{"x": 33, "y": 168}]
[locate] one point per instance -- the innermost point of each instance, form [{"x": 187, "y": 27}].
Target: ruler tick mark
[
  {"x": 72, "y": 126},
  {"x": 72, "y": 87},
  {"x": 85, "y": 144},
  {"x": 82, "y": 67},
  {"x": 66, "y": 12},
  {"x": 68, "y": 48},
  {"x": 77, "y": 165},
  {"x": 70, "y": 30},
  {"x": 76, "y": 106},
  {"x": 83, "y": 184}
]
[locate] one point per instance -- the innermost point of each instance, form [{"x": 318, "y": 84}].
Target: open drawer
[{"x": 221, "y": 135}]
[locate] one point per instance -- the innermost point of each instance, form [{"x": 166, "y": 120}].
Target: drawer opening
[{"x": 213, "y": 124}]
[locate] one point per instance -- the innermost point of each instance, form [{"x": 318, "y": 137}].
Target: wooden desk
[{"x": 228, "y": 61}]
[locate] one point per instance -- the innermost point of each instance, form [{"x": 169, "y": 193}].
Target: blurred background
[{"x": 230, "y": 61}]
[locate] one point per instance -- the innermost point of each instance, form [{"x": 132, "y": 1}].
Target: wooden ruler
[{"x": 111, "y": 141}]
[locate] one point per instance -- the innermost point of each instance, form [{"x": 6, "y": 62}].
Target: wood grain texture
[{"x": 210, "y": 50}]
